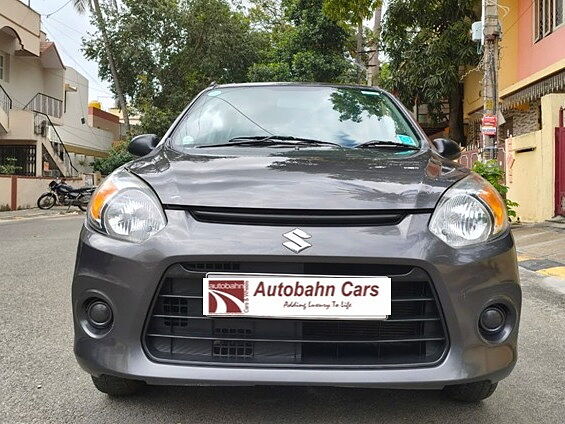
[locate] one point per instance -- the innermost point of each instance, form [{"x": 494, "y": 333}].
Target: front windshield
[{"x": 346, "y": 116}]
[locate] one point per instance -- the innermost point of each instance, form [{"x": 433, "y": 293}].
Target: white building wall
[
  {"x": 76, "y": 103},
  {"x": 21, "y": 90},
  {"x": 53, "y": 83},
  {"x": 25, "y": 21},
  {"x": 83, "y": 163},
  {"x": 74, "y": 132}
]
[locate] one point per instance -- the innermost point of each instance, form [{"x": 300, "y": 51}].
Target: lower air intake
[{"x": 414, "y": 334}]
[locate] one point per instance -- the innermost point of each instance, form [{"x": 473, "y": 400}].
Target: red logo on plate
[{"x": 226, "y": 296}]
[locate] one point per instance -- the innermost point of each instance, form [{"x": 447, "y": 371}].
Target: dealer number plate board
[{"x": 296, "y": 296}]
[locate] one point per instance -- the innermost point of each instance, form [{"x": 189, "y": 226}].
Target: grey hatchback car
[{"x": 296, "y": 234}]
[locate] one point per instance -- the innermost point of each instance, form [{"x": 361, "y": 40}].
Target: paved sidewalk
[
  {"x": 541, "y": 248},
  {"x": 36, "y": 213}
]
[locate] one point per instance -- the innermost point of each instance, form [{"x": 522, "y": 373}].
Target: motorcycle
[{"x": 63, "y": 194}]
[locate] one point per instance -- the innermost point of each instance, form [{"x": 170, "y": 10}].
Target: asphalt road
[{"x": 41, "y": 382}]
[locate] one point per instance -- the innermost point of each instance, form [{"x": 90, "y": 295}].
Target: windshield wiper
[
  {"x": 270, "y": 140},
  {"x": 385, "y": 143}
]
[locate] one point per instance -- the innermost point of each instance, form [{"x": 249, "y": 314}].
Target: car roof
[{"x": 294, "y": 84}]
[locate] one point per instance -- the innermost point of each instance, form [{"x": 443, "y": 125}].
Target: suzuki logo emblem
[{"x": 297, "y": 243}]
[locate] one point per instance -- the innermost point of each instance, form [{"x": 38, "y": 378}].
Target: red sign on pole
[{"x": 488, "y": 125}]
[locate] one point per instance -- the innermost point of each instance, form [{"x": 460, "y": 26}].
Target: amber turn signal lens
[
  {"x": 491, "y": 197},
  {"x": 99, "y": 199}
]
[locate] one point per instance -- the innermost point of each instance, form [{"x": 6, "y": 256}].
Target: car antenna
[{"x": 213, "y": 84}]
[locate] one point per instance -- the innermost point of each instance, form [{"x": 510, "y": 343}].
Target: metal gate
[
  {"x": 560, "y": 166},
  {"x": 24, "y": 155}
]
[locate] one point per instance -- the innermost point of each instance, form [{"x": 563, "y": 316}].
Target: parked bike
[{"x": 64, "y": 195}]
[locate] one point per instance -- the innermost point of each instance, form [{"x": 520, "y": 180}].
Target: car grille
[
  {"x": 299, "y": 217},
  {"x": 177, "y": 331}
]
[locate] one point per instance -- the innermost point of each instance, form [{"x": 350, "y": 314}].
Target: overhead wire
[
  {"x": 59, "y": 9},
  {"x": 67, "y": 26},
  {"x": 50, "y": 29}
]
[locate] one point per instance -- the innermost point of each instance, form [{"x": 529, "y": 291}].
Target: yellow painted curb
[{"x": 557, "y": 271}]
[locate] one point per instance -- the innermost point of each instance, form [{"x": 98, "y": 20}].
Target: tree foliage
[
  {"x": 117, "y": 156},
  {"x": 351, "y": 11},
  {"x": 429, "y": 46},
  {"x": 170, "y": 50},
  {"x": 303, "y": 44},
  {"x": 351, "y": 14}
]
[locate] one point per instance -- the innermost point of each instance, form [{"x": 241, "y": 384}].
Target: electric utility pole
[
  {"x": 374, "y": 62},
  {"x": 491, "y": 31}
]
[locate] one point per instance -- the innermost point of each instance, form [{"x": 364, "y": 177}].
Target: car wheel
[
  {"x": 471, "y": 392},
  {"x": 116, "y": 386}
]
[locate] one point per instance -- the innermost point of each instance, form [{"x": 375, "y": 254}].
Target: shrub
[
  {"x": 491, "y": 171},
  {"x": 117, "y": 156},
  {"x": 9, "y": 166}
]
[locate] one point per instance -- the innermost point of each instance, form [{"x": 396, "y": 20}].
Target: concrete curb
[
  {"x": 544, "y": 267},
  {"x": 15, "y": 216}
]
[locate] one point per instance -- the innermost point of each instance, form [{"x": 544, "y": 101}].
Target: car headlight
[
  {"x": 125, "y": 208},
  {"x": 470, "y": 212}
]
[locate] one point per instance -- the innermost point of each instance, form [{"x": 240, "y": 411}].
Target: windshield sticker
[
  {"x": 214, "y": 93},
  {"x": 371, "y": 93},
  {"x": 406, "y": 139},
  {"x": 187, "y": 139}
]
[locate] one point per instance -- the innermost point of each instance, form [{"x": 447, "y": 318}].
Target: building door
[{"x": 560, "y": 167}]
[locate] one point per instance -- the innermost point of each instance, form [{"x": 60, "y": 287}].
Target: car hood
[{"x": 305, "y": 178}]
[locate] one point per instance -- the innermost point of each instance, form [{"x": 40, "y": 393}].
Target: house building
[
  {"x": 532, "y": 91},
  {"x": 44, "y": 116}
]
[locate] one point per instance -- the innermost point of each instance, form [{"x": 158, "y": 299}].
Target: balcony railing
[
  {"x": 5, "y": 100},
  {"x": 48, "y": 105}
]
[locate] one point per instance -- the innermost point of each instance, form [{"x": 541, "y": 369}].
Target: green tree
[
  {"x": 429, "y": 47},
  {"x": 306, "y": 45},
  {"x": 170, "y": 50},
  {"x": 353, "y": 13}
]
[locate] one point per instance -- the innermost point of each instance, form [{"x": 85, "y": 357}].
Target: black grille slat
[
  {"x": 177, "y": 331},
  {"x": 299, "y": 217},
  {"x": 338, "y": 341},
  {"x": 415, "y": 318}
]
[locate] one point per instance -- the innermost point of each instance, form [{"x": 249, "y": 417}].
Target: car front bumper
[{"x": 127, "y": 276}]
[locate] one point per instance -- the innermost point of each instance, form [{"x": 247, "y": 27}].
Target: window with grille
[{"x": 548, "y": 16}]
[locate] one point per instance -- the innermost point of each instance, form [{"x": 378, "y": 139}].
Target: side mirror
[
  {"x": 447, "y": 148},
  {"x": 143, "y": 144}
]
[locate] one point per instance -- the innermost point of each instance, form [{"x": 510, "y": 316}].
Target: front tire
[
  {"x": 116, "y": 386},
  {"x": 471, "y": 392},
  {"x": 46, "y": 201}
]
